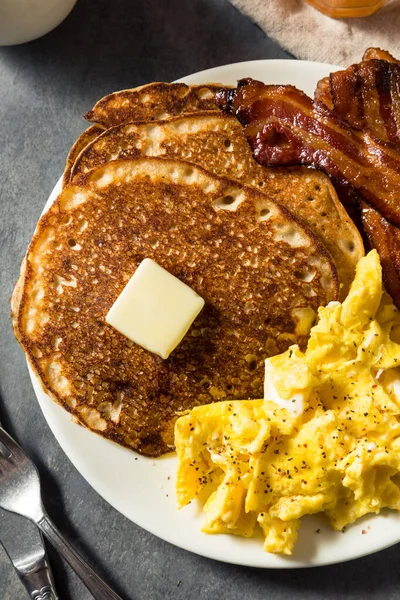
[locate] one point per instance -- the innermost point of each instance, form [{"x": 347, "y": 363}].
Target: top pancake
[
  {"x": 215, "y": 142},
  {"x": 262, "y": 276},
  {"x": 153, "y": 101}
]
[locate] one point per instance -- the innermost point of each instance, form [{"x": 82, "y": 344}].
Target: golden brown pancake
[
  {"x": 152, "y": 102},
  {"x": 261, "y": 273},
  {"x": 215, "y": 142}
]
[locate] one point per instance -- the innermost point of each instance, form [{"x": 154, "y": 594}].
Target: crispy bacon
[
  {"x": 323, "y": 89},
  {"x": 323, "y": 92},
  {"x": 378, "y": 54},
  {"x": 386, "y": 239},
  {"x": 366, "y": 95},
  {"x": 285, "y": 127}
]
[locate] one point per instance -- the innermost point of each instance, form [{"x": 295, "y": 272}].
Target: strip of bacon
[
  {"x": 378, "y": 54},
  {"x": 386, "y": 239},
  {"x": 323, "y": 89},
  {"x": 285, "y": 127},
  {"x": 323, "y": 92},
  {"x": 366, "y": 95}
]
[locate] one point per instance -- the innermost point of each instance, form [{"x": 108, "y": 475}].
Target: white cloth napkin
[{"x": 310, "y": 35}]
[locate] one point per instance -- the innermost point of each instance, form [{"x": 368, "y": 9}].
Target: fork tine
[
  {"x": 10, "y": 444},
  {"x": 5, "y": 451},
  {"x": 7, "y": 440}
]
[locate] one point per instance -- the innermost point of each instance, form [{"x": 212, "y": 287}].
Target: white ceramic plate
[{"x": 142, "y": 489}]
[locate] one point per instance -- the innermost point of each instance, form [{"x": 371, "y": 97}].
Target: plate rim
[{"x": 49, "y": 407}]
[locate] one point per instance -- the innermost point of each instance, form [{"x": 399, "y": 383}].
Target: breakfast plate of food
[{"x": 213, "y": 290}]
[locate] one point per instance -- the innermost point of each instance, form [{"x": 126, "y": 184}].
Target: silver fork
[{"x": 20, "y": 493}]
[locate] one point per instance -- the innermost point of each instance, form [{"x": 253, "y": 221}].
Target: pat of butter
[{"x": 155, "y": 309}]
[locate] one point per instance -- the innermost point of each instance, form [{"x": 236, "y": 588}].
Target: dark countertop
[{"x": 44, "y": 88}]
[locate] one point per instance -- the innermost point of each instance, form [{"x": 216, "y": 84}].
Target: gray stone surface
[{"x": 44, "y": 88}]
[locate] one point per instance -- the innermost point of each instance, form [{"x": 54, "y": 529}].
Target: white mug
[{"x": 25, "y": 20}]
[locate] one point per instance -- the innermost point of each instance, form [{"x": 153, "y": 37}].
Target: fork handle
[
  {"x": 39, "y": 584},
  {"x": 96, "y": 586}
]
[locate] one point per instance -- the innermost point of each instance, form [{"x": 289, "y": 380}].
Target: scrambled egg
[{"x": 326, "y": 438}]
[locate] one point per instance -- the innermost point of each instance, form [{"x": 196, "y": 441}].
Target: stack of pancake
[{"x": 163, "y": 174}]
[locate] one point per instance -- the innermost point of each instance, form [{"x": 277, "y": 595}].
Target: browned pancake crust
[
  {"x": 90, "y": 134},
  {"x": 152, "y": 102},
  {"x": 252, "y": 266}
]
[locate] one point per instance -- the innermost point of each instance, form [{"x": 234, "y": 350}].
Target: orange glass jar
[{"x": 347, "y": 8}]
